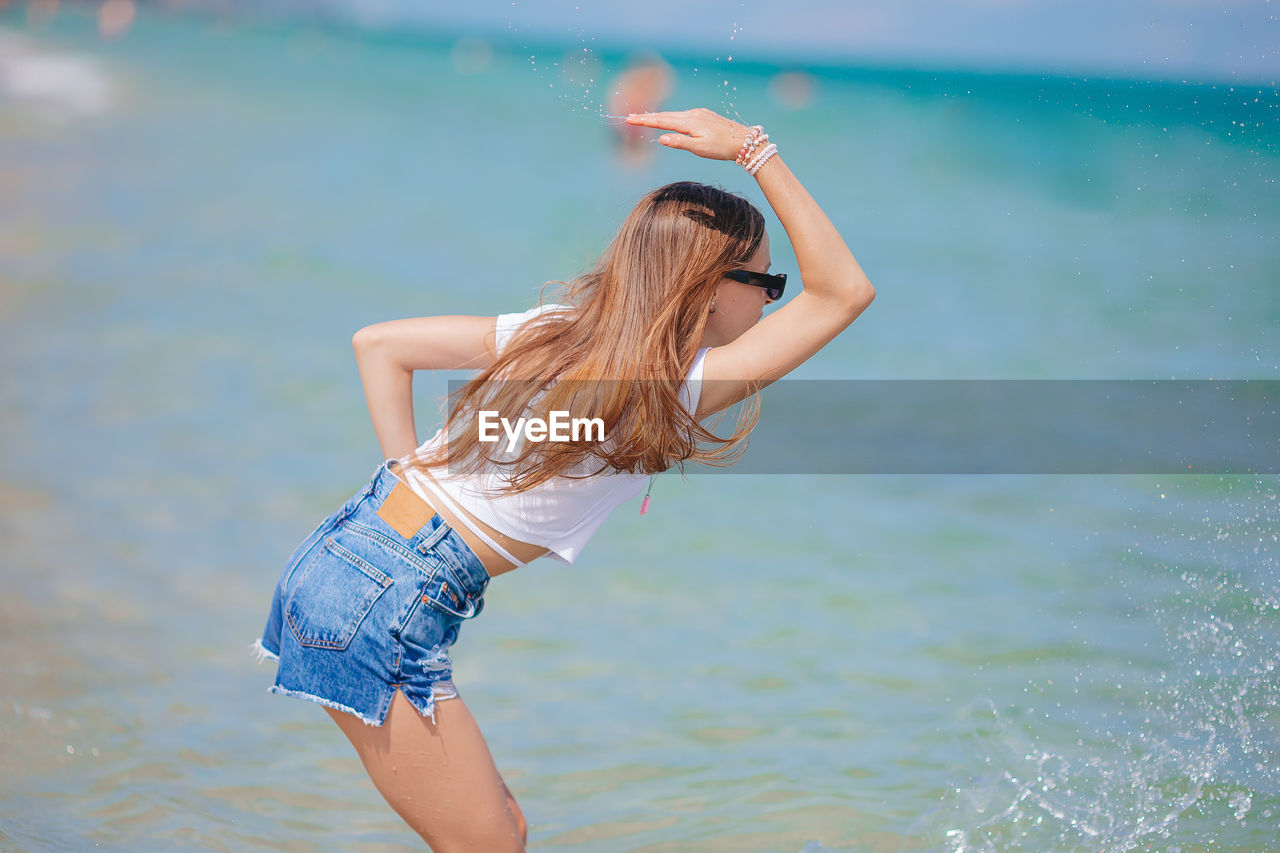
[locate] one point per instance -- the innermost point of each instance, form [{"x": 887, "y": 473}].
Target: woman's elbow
[
  {"x": 870, "y": 295},
  {"x": 858, "y": 297},
  {"x": 366, "y": 339}
]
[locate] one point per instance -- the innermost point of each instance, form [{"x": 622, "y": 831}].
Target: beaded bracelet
[
  {"x": 749, "y": 144},
  {"x": 756, "y": 143},
  {"x": 761, "y": 159}
]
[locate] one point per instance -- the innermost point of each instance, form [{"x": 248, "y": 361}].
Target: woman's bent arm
[
  {"x": 835, "y": 290},
  {"x": 388, "y": 354}
]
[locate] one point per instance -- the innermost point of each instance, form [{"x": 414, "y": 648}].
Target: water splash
[
  {"x": 728, "y": 98},
  {"x": 1187, "y": 750},
  {"x": 573, "y": 75},
  {"x": 584, "y": 82}
]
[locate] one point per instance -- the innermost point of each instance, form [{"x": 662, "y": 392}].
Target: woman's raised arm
[
  {"x": 388, "y": 354},
  {"x": 835, "y": 289}
]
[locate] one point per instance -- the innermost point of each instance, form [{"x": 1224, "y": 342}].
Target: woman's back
[{"x": 560, "y": 514}]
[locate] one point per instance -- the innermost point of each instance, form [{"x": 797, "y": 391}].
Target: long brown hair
[{"x": 621, "y": 354}]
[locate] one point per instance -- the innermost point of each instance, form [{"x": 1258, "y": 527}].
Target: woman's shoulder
[{"x": 508, "y": 324}]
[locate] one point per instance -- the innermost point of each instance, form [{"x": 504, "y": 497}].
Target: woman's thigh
[{"x": 438, "y": 776}]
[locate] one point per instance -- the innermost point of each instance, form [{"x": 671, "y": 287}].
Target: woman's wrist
[
  {"x": 756, "y": 150},
  {"x": 750, "y": 141}
]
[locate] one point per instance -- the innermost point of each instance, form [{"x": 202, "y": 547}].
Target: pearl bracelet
[
  {"x": 761, "y": 159},
  {"x": 749, "y": 144}
]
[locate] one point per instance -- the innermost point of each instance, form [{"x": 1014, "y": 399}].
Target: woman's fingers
[
  {"x": 700, "y": 131},
  {"x": 676, "y": 140},
  {"x": 663, "y": 121}
]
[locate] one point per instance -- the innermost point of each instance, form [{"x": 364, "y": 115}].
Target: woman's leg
[{"x": 438, "y": 776}]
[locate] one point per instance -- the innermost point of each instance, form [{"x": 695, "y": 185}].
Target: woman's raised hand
[{"x": 701, "y": 131}]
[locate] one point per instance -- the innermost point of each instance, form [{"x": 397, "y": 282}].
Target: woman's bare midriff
[{"x": 494, "y": 564}]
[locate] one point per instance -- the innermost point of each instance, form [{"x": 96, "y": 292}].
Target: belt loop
[
  {"x": 373, "y": 481},
  {"x": 436, "y": 535}
]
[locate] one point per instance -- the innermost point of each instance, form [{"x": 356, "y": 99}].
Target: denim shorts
[{"x": 362, "y": 610}]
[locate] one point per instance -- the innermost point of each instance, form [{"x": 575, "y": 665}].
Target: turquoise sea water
[{"x": 193, "y": 220}]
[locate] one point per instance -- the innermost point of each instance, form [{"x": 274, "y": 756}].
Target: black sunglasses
[{"x": 773, "y": 284}]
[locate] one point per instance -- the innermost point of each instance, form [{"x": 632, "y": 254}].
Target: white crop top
[{"x": 560, "y": 514}]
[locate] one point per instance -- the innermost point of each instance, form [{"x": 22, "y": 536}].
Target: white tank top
[{"x": 560, "y": 514}]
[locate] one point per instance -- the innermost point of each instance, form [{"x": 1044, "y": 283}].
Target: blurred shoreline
[
  {"x": 1240, "y": 112},
  {"x": 341, "y": 20}
]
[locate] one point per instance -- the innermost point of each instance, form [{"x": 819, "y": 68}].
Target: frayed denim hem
[
  {"x": 263, "y": 652},
  {"x": 328, "y": 703},
  {"x": 440, "y": 692}
]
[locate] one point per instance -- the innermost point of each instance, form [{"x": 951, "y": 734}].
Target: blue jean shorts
[{"x": 363, "y": 609}]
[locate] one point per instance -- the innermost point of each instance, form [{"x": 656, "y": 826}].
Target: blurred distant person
[
  {"x": 641, "y": 88},
  {"x": 667, "y": 330},
  {"x": 792, "y": 89}
]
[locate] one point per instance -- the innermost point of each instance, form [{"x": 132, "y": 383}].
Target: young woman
[{"x": 666, "y": 330}]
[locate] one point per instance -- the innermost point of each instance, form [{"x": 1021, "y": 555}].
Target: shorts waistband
[
  {"x": 384, "y": 482},
  {"x": 414, "y": 519}
]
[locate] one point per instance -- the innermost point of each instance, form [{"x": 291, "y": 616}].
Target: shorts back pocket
[{"x": 335, "y": 590}]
